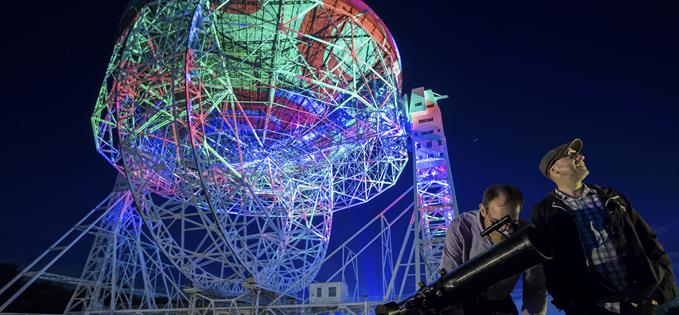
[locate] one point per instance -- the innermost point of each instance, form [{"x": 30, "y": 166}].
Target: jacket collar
[
  {"x": 606, "y": 194},
  {"x": 563, "y": 196}
]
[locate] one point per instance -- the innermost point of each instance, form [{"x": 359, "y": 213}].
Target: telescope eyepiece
[{"x": 496, "y": 226}]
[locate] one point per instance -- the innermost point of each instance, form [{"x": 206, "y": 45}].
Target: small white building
[{"x": 328, "y": 293}]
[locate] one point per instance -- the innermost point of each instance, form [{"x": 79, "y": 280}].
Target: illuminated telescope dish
[{"x": 241, "y": 126}]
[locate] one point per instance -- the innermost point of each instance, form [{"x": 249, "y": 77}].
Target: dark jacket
[{"x": 568, "y": 278}]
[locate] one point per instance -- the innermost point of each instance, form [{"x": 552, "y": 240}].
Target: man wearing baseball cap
[{"x": 607, "y": 259}]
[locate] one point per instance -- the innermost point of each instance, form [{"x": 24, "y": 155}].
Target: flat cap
[{"x": 555, "y": 154}]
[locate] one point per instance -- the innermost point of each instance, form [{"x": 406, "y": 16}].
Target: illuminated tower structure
[
  {"x": 435, "y": 199},
  {"x": 239, "y": 127}
]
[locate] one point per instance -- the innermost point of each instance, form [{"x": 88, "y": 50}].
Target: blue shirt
[{"x": 602, "y": 258}]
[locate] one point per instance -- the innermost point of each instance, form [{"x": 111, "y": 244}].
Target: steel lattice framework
[
  {"x": 435, "y": 199},
  {"x": 124, "y": 269},
  {"x": 238, "y": 128},
  {"x": 241, "y": 126}
]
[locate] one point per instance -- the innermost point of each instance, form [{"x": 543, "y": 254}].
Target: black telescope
[
  {"x": 496, "y": 226},
  {"x": 525, "y": 248}
]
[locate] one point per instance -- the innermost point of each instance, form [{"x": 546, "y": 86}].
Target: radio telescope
[
  {"x": 238, "y": 128},
  {"x": 242, "y": 125}
]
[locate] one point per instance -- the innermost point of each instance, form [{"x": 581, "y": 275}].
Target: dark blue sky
[{"x": 522, "y": 77}]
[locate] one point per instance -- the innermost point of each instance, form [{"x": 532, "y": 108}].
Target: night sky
[{"x": 522, "y": 77}]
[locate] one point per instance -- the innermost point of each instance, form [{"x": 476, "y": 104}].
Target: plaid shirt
[{"x": 589, "y": 215}]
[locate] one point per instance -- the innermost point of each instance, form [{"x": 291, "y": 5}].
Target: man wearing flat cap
[{"x": 607, "y": 259}]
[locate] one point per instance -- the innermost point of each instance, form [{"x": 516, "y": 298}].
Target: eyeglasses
[
  {"x": 507, "y": 227},
  {"x": 573, "y": 155}
]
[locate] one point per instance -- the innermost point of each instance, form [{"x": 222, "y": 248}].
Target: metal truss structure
[
  {"x": 126, "y": 271},
  {"x": 239, "y": 128},
  {"x": 436, "y": 202}
]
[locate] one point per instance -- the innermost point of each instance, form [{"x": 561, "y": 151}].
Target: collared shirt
[
  {"x": 464, "y": 241},
  {"x": 589, "y": 215}
]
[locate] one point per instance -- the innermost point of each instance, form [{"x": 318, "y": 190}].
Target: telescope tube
[{"x": 523, "y": 249}]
